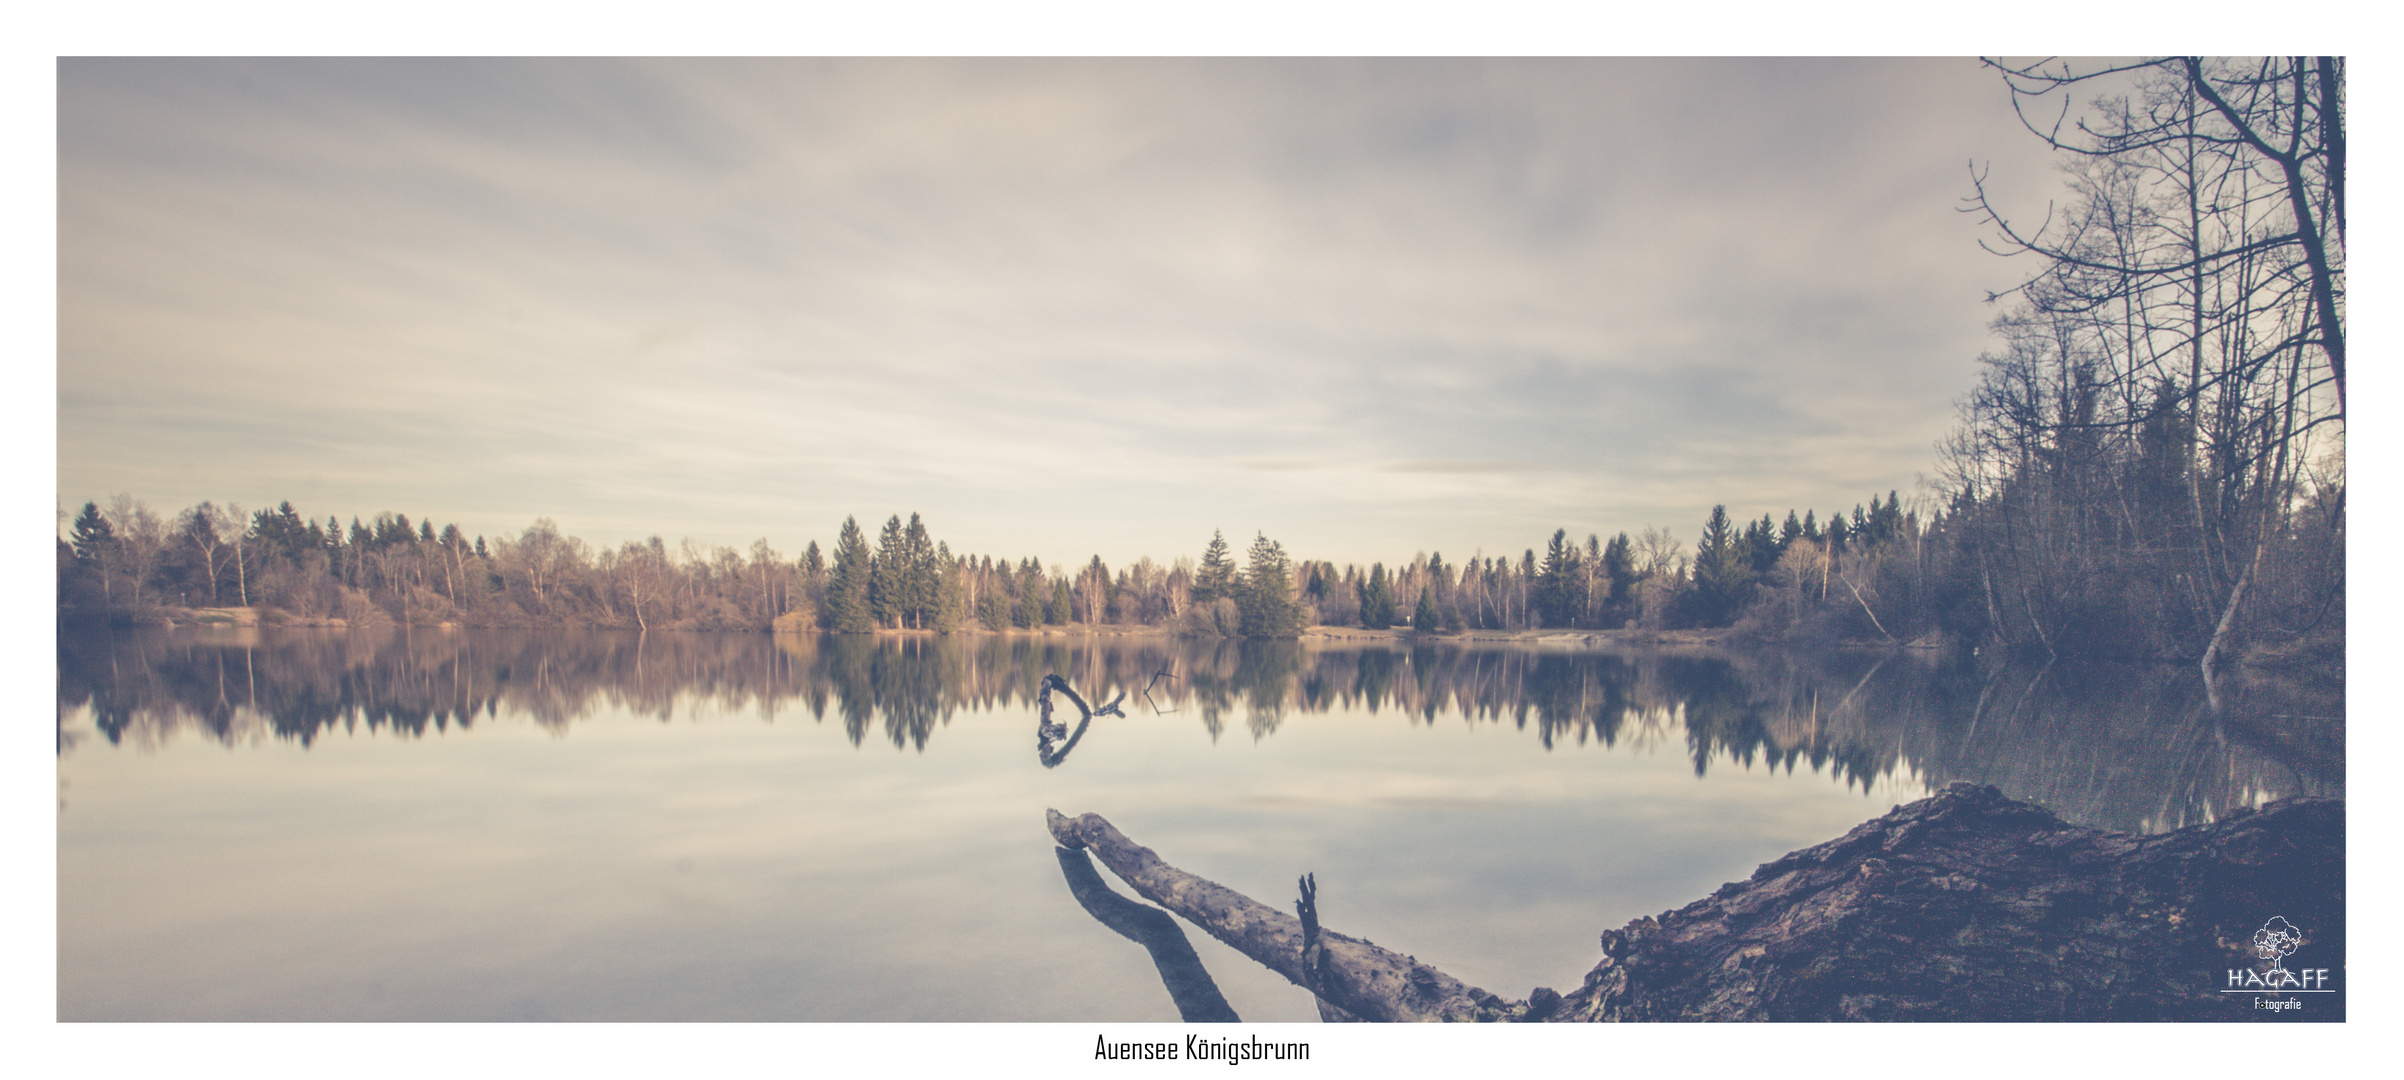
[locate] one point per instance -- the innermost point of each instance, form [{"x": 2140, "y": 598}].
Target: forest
[{"x": 2151, "y": 466}]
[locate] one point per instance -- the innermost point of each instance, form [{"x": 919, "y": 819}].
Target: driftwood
[
  {"x": 1049, "y": 748},
  {"x": 1963, "y": 906},
  {"x": 1155, "y": 681},
  {"x": 1043, "y": 699},
  {"x": 1188, "y": 982},
  {"x": 1355, "y": 978},
  {"x": 1970, "y": 906}
]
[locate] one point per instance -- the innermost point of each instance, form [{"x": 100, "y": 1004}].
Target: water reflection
[
  {"x": 1049, "y": 749},
  {"x": 2119, "y": 746},
  {"x": 1189, "y": 984}
]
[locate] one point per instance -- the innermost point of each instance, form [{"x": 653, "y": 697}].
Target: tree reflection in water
[{"x": 2119, "y": 746}]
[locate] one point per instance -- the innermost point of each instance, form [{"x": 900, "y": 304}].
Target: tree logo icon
[{"x": 2274, "y": 941}]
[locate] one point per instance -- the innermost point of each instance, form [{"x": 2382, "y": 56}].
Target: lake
[{"x": 528, "y": 825}]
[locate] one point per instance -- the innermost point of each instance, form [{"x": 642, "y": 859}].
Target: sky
[{"x": 1059, "y": 308}]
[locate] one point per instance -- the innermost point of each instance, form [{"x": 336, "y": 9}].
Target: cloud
[
  {"x": 1464, "y": 467},
  {"x": 1462, "y": 301}
]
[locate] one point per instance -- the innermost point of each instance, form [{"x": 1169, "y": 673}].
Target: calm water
[{"x": 468, "y": 825}]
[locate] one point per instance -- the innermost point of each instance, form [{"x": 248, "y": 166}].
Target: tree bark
[
  {"x": 1969, "y": 906},
  {"x": 1352, "y": 974},
  {"x": 1965, "y": 906},
  {"x": 2228, "y": 615}
]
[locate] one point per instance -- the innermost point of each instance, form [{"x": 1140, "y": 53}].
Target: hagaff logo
[{"x": 2274, "y": 942}]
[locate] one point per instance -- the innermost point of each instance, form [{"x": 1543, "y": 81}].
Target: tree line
[
  {"x": 2151, "y": 465},
  {"x": 128, "y": 562},
  {"x": 1884, "y": 572}
]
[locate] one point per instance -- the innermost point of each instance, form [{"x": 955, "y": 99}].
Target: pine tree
[
  {"x": 1215, "y": 578},
  {"x": 1886, "y": 519},
  {"x": 1062, "y": 610},
  {"x": 92, "y": 535},
  {"x": 1027, "y": 610},
  {"x": 1377, "y": 599},
  {"x": 1761, "y": 546},
  {"x": 847, "y": 609},
  {"x": 1619, "y": 567},
  {"x": 921, "y": 576},
  {"x": 1266, "y": 600},
  {"x": 94, "y": 548},
  {"x": 951, "y": 591},
  {"x": 1439, "y": 581},
  {"x": 1721, "y": 569},
  {"x": 1424, "y": 618},
  {"x": 888, "y": 576},
  {"x": 1557, "y": 599}
]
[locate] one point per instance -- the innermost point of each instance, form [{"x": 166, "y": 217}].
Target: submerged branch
[
  {"x": 1350, "y": 974},
  {"x": 1966, "y": 905},
  {"x": 1188, "y": 982}
]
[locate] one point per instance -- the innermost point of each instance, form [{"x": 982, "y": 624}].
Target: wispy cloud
[
  {"x": 1466, "y": 467},
  {"x": 1367, "y": 307}
]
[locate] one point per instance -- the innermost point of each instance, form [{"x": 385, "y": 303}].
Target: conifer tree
[
  {"x": 1377, "y": 599},
  {"x": 889, "y": 576},
  {"x": 1557, "y": 599},
  {"x": 1215, "y": 577},
  {"x": 1439, "y": 581},
  {"x": 1424, "y": 618},
  {"x": 1619, "y": 566},
  {"x": 993, "y": 609},
  {"x": 813, "y": 579},
  {"x": 94, "y": 546},
  {"x": 1761, "y": 546},
  {"x": 1886, "y": 519},
  {"x": 921, "y": 576},
  {"x": 92, "y": 534},
  {"x": 1721, "y": 569},
  {"x": 847, "y": 610},
  {"x": 1026, "y": 610},
  {"x": 1266, "y": 600},
  {"x": 1062, "y": 610},
  {"x": 950, "y": 608}
]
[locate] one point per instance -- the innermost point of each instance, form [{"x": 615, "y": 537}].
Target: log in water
[{"x": 1965, "y": 906}]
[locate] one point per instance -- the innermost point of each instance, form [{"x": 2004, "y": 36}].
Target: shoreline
[{"x": 1718, "y": 637}]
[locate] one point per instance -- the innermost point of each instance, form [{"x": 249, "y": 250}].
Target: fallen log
[
  {"x": 1964, "y": 906},
  {"x": 1353, "y": 976},
  {"x": 1971, "y": 906}
]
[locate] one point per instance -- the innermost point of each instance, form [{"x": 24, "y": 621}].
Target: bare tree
[
  {"x": 141, "y": 539},
  {"x": 2176, "y": 365}
]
